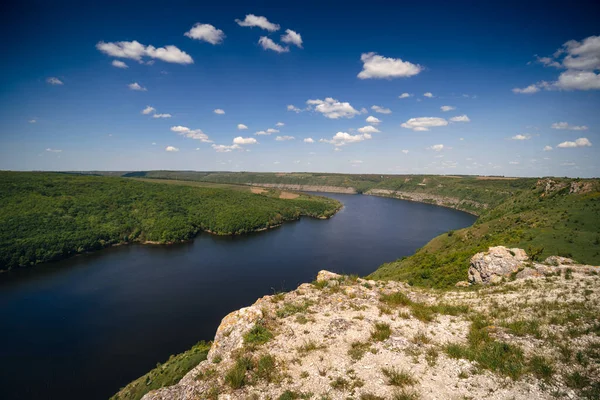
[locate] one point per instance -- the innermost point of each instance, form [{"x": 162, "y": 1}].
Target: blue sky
[{"x": 515, "y": 80}]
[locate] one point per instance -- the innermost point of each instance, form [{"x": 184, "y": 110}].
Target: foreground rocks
[{"x": 343, "y": 337}]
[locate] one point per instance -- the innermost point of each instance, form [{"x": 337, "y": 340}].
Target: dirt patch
[
  {"x": 288, "y": 195},
  {"x": 257, "y": 190}
]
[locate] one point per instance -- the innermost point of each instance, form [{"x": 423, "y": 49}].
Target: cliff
[{"x": 533, "y": 336}]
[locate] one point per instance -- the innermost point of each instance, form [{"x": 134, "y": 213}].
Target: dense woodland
[{"x": 49, "y": 216}]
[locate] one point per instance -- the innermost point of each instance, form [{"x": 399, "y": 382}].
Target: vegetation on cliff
[{"x": 49, "y": 216}]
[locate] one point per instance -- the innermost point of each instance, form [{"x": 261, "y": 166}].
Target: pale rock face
[
  {"x": 557, "y": 260},
  {"x": 230, "y": 334},
  {"x": 498, "y": 262}
]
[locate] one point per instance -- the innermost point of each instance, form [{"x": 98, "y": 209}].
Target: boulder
[
  {"x": 462, "y": 284},
  {"x": 327, "y": 276},
  {"x": 557, "y": 260},
  {"x": 496, "y": 263},
  {"x": 230, "y": 334}
]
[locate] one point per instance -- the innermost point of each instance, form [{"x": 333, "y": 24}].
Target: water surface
[{"x": 84, "y": 327}]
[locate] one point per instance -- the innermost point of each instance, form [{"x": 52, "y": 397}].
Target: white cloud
[
  {"x": 293, "y": 108},
  {"x": 548, "y": 62},
  {"x": 521, "y": 137},
  {"x": 343, "y": 138},
  {"x": 436, "y": 147},
  {"x": 252, "y": 20},
  {"x": 422, "y": 124},
  {"x": 428, "y": 94},
  {"x": 136, "y": 51},
  {"x": 136, "y": 86},
  {"x": 280, "y": 124},
  {"x": 565, "y": 125},
  {"x": 381, "y": 110},
  {"x": 581, "y": 142},
  {"x": 191, "y": 133},
  {"x": 333, "y": 109},
  {"x": 241, "y": 127},
  {"x": 148, "y": 110},
  {"x": 447, "y": 108},
  {"x": 568, "y": 164},
  {"x": 379, "y": 67},
  {"x": 547, "y": 148},
  {"x": 162, "y": 116},
  {"x": 219, "y": 111},
  {"x": 221, "y": 148},
  {"x": 292, "y": 37},
  {"x": 578, "y": 80},
  {"x": 207, "y": 33},
  {"x": 242, "y": 140},
  {"x": 32, "y": 121},
  {"x": 269, "y": 44},
  {"x": 267, "y": 132},
  {"x": 373, "y": 120},
  {"x": 54, "y": 81},
  {"x": 309, "y": 140},
  {"x": 171, "y": 148},
  {"x": 368, "y": 129},
  {"x": 119, "y": 64},
  {"x": 53, "y": 150},
  {"x": 513, "y": 162},
  {"x": 284, "y": 138},
  {"x": 405, "y": 96},
  {"x": 405, "y": 151},
  {"x": 460, "y": 118},
  {"x": 533, "y": 88}
]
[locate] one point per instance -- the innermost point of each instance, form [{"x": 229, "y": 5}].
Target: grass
[
  {"x": 166, "y": 374},
  {"x": 310, "y": 345},
  {"x": 292, "y": 308},
  {"x": 406, "y": 395},
  {"x": 258, "y": 335},
  {"x": 398, "y": 378},
  {"x": 265, "y": 367},
  {"x": 381, "y": 332},
  {"x": 358, "y": 349},
  {"x": 236, "y": 376}
]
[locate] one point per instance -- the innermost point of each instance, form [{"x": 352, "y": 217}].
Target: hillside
[{"x": 49, "y": 216}]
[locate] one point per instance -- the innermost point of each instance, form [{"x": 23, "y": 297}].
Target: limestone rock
[
  {"x": 327, "y": 276},
  {"x": 496, "y": 263},
  {"x": 462, "y": 284},
  {"x": 529, "y": 273},
  {"x": 557, "y": 260},
  {"x": 230, "y": 334}
]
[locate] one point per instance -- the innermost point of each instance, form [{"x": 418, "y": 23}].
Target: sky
[{"x": 488, "y": 88}]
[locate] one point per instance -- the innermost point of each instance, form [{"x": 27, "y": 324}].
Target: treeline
[{"x": 49, "y": 216}]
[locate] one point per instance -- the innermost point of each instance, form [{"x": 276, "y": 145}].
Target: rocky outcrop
[
  {"x": 495, "y": 264},
  {"x": 500, "y": 263},
  {"x": 444, "y": 201},
  {"x": 307, "y": 188}
]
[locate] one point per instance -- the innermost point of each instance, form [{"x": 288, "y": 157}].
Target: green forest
[{"x": 50, "y": 216}]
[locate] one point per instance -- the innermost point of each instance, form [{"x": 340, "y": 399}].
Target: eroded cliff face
[
  {"x": 307, "y": 188},
  {"x": 444, "y": 201},
  {"x": 345, "y": 337}
]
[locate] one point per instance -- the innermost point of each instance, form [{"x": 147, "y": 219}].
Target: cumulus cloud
[
  {"x": 280, "y": 124},
  {"x": 32, "y": 121},
  {"x": 292, "y": 37},
  {"x": 162, "y": 116},
  {"x": 428, "y": 95},
  {"x": 332, "y": 108},
  {"x": 405, "y": 96},
  {"x": 436, "y": 147},
  {"x": 581, "y": 142},
  {"x": 241, "y": 127},
  {"x": 578, "y": 80},
  {"x": 267, "y": 132},
  {"x": 565, "y": 125},
  {"x": 447, "y": 108},
  {"x": 521, "y": 137},
  {"x": 53, "y": 150},
  {"x": 54, "y": 81},
  {"x": 405, "y": 151},
  {"x": 222, "y": 148},
  {"x": 252, "y": 20},
  {"x": 547, "y": 148},
  {"x": 196, "y": 134},
  {"x": 309, "y": 140},
  {"x": 422, "y": 124},
  {"x": 148, "y": 110},
  {"x": 373, "y": 120},
  {"x": 531, "y": 89},
  {"x": 136, "y": 86},
  {"x": 269, "y": 44},
  {"x": 171, "y": 148},
  {"x": 242, "y": 140},
  {"x": 219, "y": 111},
  {"x": 293, "y": 108},
  {"x": 379, "y": 67},
  {"x": 513, "y": 162},
  {"x": 136, "y": 51},
  {"x": 381, "y": 110},
  {"x": 344, "y": 138},
  {"x": 284, "y": 138},
  {"x": 368, "y": 129},
  {"x": 207, "y": 33},
  {"x": 119, "y": 64},
  {"x": 460, "y": 118}
]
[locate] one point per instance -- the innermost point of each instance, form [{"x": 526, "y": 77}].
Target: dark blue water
[{"x": 84, "y": 327}]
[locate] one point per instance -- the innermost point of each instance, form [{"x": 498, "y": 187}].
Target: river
[{"x": 84, "y": 327}]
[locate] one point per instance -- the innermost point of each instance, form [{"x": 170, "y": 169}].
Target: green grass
[
  {"x": 258, "y": 335},
  {"x": 236, "y": 376},
  {"x": 381, "y": 332},
  {"x": 357, "y": 350},
  {"x": 398, "y": 378},
  {"x": 166, "y": 374}
]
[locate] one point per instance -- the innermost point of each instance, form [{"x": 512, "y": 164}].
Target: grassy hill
[{"x": 49, "y": 216}]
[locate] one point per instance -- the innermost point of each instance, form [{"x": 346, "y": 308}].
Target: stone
[
  {"x": 496, "y": 263},
  {"x": 557, "y": 260},
  {"x": 230, "y": 334},
  {"x": 327, "y": 276},
  {"x": 529, "y": 273},
  {"x": 462, "y": 284}
]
